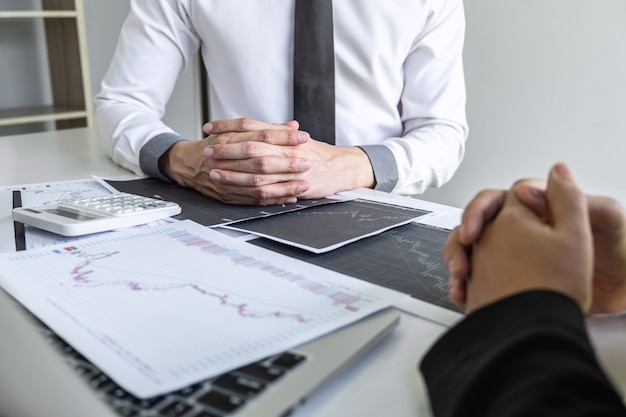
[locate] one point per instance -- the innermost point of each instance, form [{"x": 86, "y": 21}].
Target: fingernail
[
  {"x": 453, "y": 282},
  {"x": 302, "y": 188},
  {"x": 303, "y": 137},
  {"x": 292, "y": 200},
  {"x": 455, "y": 296},
  {"x": 305, "y": 165},
  {"x": 535, "y": 192},
  {"x": 562, "y": 171},
  {"x": 215, "y": 176},
  {"x": 208, "y": 127},
  {"x": 208, "y": 152},
  {"x": 453, "y": 267}
]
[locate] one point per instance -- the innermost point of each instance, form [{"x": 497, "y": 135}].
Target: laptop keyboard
[{"x": 221, "y": 396}]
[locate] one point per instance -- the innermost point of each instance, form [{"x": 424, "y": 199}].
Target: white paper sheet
[
  {"x": 39, "y": 194},
  {"x": 158, "y": 309}
]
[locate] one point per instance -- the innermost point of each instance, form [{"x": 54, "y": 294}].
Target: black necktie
[{"x": 314, "y": 69}]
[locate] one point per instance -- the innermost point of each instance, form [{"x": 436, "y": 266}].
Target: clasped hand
[
  {"x": 246, "y": 161},
  {"x": 540, "y": 235}
]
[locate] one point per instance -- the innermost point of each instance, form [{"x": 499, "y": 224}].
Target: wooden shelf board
[
  {"x": 64, "y": 32},
  {"x": 21, "y": 14},
  {"x": 38, "y": 114}
]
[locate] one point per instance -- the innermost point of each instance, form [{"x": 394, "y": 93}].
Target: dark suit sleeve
[{"x": 527, "y": 355}]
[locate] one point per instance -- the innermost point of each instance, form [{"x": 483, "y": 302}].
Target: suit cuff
[
  {"x": 384, "y": 166},
  {"x": 153, "y": 150}
]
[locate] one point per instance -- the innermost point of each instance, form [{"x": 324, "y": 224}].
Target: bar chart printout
[{"x": 158, "y": 309}]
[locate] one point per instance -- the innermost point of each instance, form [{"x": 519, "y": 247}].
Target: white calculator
[{"x": 96, "y": 214}]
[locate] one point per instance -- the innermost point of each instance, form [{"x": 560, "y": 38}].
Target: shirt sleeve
[
  {"x": 432, "y": 105},
  {"x": 527, "y": 355},
  {"x": 137, "y": 86}
]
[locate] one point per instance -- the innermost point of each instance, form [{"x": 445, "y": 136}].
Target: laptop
[{"x": 42, "y": 376}]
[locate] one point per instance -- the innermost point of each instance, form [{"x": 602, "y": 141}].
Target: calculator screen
[{"x": 68, "y": 214}]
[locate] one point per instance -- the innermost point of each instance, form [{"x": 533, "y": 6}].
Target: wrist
[
  {"x": 356, "y": 168},
  {"x": 165, "y": 164},
  {"x": 172, "y": 162}
]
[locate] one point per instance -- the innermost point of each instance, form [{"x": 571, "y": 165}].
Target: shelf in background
[
  {"x": 63, "y": 30},
  {"x": 29, "y": 14},
  {"x": 39, "y": 114}
]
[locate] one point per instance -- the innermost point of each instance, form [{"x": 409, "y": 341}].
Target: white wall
[
  {"x": 546, "y": 82},
  {"x": 103, "y": 20}
]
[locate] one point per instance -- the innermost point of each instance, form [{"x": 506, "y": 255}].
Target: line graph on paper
[
  {"x": 321, "y": 229},
  {"x": 406, "y": 258},
  {"x": 46, "y": 193},
  {"x": 161, "y": 308},
  {"x": 88, "y": 264},
  {"x": 85, "y": 275}
]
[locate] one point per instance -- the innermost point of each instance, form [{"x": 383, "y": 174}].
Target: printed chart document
[
  {"x": 158, "y": 309},
  {"x": 325, "y": 228},
  {"x": 38, "y": 194}
]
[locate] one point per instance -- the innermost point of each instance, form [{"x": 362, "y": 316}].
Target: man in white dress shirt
[{"x": 399, "y": 98}]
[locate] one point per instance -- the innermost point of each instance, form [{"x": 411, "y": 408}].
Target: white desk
[
  {"x": 385, "y": 382},
  {"x": 54, "y": 156}
]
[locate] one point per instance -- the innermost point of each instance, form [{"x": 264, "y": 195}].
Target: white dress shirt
[{"x": 399, "y": 83}]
